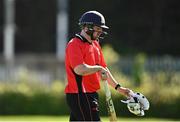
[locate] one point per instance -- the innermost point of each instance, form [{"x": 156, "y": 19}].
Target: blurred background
[{"x": 142, "y": 50}]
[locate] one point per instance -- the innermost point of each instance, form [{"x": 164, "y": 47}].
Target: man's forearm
[
  {"x": 84, "y": 69},
  {"x": 111, "y": 79},
  {"x": 116, "y": 85}
]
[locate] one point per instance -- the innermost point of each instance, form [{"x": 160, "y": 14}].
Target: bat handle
[
  {"x": 106, "y": 87},
  {"x": 109, "y": 101}
]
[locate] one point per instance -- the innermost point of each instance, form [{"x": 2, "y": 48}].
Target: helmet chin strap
[{"x": 90, "y": 33}]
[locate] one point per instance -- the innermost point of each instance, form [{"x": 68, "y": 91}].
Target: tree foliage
[{"x": 145, "y": 26}]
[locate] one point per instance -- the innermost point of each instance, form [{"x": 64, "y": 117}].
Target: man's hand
[
  {"x": 104, "y": 74},
  {"x": 124, "y": 91}
]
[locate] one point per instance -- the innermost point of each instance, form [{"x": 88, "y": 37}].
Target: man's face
[{"x": 97, "y": 32}]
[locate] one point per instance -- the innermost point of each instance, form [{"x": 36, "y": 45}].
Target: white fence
[
  {"x": 37, "y": 68},
  {"x": 47, "y": 68},
  {"x": 151, "y": 64}
]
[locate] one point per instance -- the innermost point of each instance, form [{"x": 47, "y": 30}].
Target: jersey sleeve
[
  {"x": 102, "y": 61},
  {"x": 74, "y": 53}
]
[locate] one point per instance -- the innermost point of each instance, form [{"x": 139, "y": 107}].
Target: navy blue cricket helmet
[{"x": 93, "y": 18}]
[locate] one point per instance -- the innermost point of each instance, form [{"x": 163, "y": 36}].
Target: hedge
[{"x": 15, "y": 103}]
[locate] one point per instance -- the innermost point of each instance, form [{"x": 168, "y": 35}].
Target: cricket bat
[{"x": 109, "y": 102}]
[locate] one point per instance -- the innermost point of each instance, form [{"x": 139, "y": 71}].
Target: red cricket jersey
[{"x": 79, "y": 51}]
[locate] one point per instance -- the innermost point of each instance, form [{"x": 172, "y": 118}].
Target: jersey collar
[{"x": 82, "y": 38}]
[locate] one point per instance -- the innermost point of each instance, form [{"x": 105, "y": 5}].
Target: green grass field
[{"x": 65, "y": 119}]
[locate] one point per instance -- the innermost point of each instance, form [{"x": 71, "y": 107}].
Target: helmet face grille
[{"x": 134, "y": 108}]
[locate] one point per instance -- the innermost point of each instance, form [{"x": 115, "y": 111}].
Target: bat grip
[{"x": 106, "y": 87}]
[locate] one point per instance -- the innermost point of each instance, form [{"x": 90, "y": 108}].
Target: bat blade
[{"x": 109, "y": 103}]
